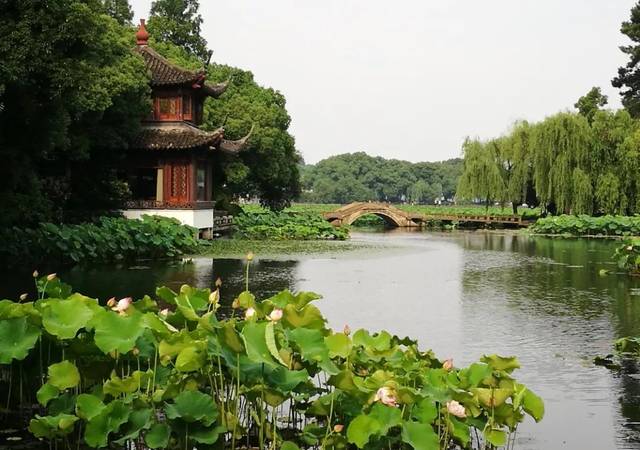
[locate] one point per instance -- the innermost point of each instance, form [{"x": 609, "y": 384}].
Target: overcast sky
[{"x": 410, "y": 79}]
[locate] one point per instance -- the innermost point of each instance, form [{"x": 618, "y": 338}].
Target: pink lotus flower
[
  {"x": 111, "y": 302},
  {"x": 346, "y": 330},
  {"x": 386, "y": 396},
  {"x": 447, "y": 364},
  {"x": 338, "y": 428},
  {"x": 250, "y": 313},
  {"x": 456, "y": 409},
  {"x": 122, "y": 305},
  {"x": 51, "y": 277},
  {"x": 276, "y": 315}
]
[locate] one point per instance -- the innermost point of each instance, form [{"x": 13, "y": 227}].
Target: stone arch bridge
[{"x": 393, "y": 216}]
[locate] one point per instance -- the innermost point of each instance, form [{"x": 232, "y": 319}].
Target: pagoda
[{"x": 169, "y": 165}]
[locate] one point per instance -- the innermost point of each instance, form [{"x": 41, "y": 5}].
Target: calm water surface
[{"x": 463, "y": 295}]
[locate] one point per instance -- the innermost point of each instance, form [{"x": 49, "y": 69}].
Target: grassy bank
[
  {"x": 235, "y": 248},
  {"x": 614, "y": 226}
]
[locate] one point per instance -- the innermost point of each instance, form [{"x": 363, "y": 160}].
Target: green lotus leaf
[
  {"x": 253, "y": 335},
  {"x": 88, "y": 406},
  {"x": 108, "y": 421},
  {"x": 387, "y": 416},
  {"x": 10, "y": 309},
  {"x": 172, "y": 345},
  {"x": 344, "y": 381},
  {"x": 246, "y": 300},
  {"x": 50, "y": 427},
  {"x": 420, "y": 436},
  {"x": 501, "y": 363},
  {"x": 302, "y": 299},
  {"x": 476, "y": 373},
  {"x": 157, "y": 436},
  {"x": 311, "y": 344},
  {"x": 193, "y": 406},
  {"x": 425, "y": 411},
  {"x": 281, "y": 299},
  {"x": 63, "y": 375},
  {"x": 361, "y": 429},
  {"x": 492, "y": 397},
  {"x": 461, "y": 431},
  {"x": 63, "y": 318},
  {"x": 380, "y": 342},
  {"x": 288, "y": 445},
  {"x": 273, "y": 397},
  {"x": 190, "y": 358},
  {"x": 270, "y": 338},
  {"x": 307, "y": 317},
  {"x": 46, "y": 393},
  {"x": 205, "y": 435},
  {"x": 138, "y": 420},
  {"x": 497, "y": 438},
  {"x": 153, "y": 322},
  {"x": 62, "y": 404},
  {"x": 533, "y": 405},
  {"x": 229, "y": 337},
  {"x": 17, "y": 337},
  {"x": 286, "y": 380},
  {"x": 338, "y": 344},
  {"x": 189, "y": 306},
  {"x": 166, "y": 294},
  {"x": 117, "y": 332},
  {"x": 115, "y": 385}
]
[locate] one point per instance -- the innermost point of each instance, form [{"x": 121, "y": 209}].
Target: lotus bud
[
  {"x": 250, "y": 256},
  {"x": 164, "y": 312},
  {"x": 214, "y": 297},
  {"x": 23, "y": 297},
  {"x": 346, "y": 330},
  {"x": 135, "y": 351},
  {"x": 51, "y": 276},
  {"x": 35, "y": 274},
  {"x": 122, "y": 305},
  {"x": 218, "y": 282},
  {"x": 338, "y": 428},
  {"x": 235, "y": 304},
  {"x": 250, "y": 313},
  {"x": 447, "y": 364},
  {"x": 111, "y": 302},
  {"x": 630, "y": 248},
  {"x": 386, "y": 396},
  {"x": 456, "y": 409},
  {"x": 275, "y": 315}
]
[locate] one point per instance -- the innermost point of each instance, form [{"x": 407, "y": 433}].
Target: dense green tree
[
  {"x": 119, "y": 10},
  {"x": 72, "y": 96},
  {"x": 179, "y": 22},
  {"x": 481, "y": 178},
  {"x": 591, "y": 103},
  {"x": 628, "y": 79},
  {"x": 608, "y": 193}
]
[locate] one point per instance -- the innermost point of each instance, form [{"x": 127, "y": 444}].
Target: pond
[{"x": 463, "y": 295}]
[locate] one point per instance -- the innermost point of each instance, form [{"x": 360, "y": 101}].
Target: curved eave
[
  {"x": 237, "y": 146},
  {"x": 215, "y": 90}
]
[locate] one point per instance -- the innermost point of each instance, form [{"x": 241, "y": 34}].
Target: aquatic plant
[
  {"x": 627, "y": 256},
  {"x": 587, "y": 225},
  {"x": 286, "y": 226},
  {"x": 179, "y": 371},
  {"x": 109, "y": 239}
]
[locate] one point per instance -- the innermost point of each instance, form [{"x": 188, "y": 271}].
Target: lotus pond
[{"x": 463, "y": 295}]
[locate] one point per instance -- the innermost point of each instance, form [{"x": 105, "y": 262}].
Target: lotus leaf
[
  {"x": 193, "y": 406},
  {"x": 52, "y": 426},
  {"x": 533, "y": 405},
  {"x": 270, "y": 338},
  {"x": 246, "y": 300},
  {"x": 46, "y": 393},
  {"x": 157, "y": 436},
  {"x": 117, "y": 332},
  {"x": 425, "y": 411},
  {"x": 229, "y": 337},
  {"x": 338, "y": 344},
  {"x": 190, "y": 358},
  {"x": 205, "y": 435},
  {"x": 307, "y": 317},
  {"x": 281, "y": 299},
  {"x": 460, "y": 430},
  {"x": 476, "y": 373},
  {"x": 138, "y": 420},
  {"x": 88, "y": 406},
  {"x": 313, "y": 348},
  {"x": 166, "y": 294},
  {"x": 501, "y": 363},
  {"x": 288, "y": 445},
  {"x": 17, "y": 337},
  {"x": 64, "y": 375},
  {"x": 361, "y": 429},
  {"x": 492, "y": 397},
  {"x": 495, "y": 437},
  {"x": 387, "y": 416},
  {"x": 116, "y": 386},
  {"x": 420, "y": 436},
  {"x": 190, "y": 301},
  {"x": 254, "y": 336},
  {"x": 109, "y": 420},
  {"x": 63, "y": 318}
]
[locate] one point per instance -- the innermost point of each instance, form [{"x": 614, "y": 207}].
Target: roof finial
[{"x": 142, "y": 36}]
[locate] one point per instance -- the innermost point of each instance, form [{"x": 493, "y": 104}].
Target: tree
[
  {"x": 591, "y": 103},
  {"x": 628, "y": 79},
  {"x": 72, "y": 96},
  {"x": 480, "y": 179},
  {"x": 178, "y": 22},
  {"x": 608, "y": 193},
  {"x": 119, "y": 10}
]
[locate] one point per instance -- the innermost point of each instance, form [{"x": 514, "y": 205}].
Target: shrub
[
  {"x": 286, "y": 226},
  {"x": 269, "y": 375},
  {"x": 109, "y": 239}
]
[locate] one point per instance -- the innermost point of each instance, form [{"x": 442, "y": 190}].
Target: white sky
[{"x": 410, "y": 79}]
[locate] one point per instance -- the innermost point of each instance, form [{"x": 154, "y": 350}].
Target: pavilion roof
[{"x": 182, "y": 136}]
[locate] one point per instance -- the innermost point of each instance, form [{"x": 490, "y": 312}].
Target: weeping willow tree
[
  {"x": 481, "y": 178},
  {"x": 560, "y": 144},
  {"x": 516, "y": 163},
  {"x": 583, "y": 192},
  {"x": 629, "y": 170}
]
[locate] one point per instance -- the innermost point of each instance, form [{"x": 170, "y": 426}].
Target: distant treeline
[{"x": 359, "y": 177}]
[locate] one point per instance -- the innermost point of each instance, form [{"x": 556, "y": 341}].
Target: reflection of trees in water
[{"x": 536, "y": 276}]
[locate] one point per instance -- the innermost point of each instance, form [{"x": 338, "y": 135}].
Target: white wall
[{"x": 198, "y": 218}]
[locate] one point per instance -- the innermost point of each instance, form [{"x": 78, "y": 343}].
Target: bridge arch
[
  {"x": 390, "y": 219},
  {"x": 348, "y": 214}
]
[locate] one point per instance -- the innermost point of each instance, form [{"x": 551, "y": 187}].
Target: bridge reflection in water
[{"x": 396, "y": 217}]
